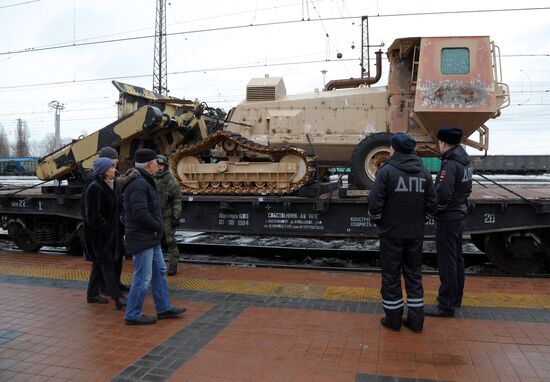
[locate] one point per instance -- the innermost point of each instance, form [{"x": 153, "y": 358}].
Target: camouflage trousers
[{"x": 170, "y": 240}]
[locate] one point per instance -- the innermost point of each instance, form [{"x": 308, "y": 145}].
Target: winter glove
[
  {"x": 375, "y": 219},
  {"x": 175, "y": 222}
]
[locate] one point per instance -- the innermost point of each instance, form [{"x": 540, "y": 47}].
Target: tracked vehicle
[{"x": 206, "y": 159}]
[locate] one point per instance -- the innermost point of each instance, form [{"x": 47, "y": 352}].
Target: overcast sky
[{"x": 199, "y": 63}]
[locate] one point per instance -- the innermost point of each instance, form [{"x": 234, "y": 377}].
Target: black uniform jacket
[
  {"x": 402, "y": 197},
  {"x": 453, "y": 185}
]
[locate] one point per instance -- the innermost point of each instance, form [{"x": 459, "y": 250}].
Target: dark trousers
[
  {"x": 118, "y": 269},
  {"x": 448, "y": 242},
  {"x": 118, "y": 273},
  {"x": 171, "y": 243},
  {"x": 396, "y": 256},
  {"x": 103, "y": 273}
]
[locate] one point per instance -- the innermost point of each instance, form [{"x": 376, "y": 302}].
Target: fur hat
[
  {"x": 102, "y": 164},
  {"x": 450, "y": 135},
  {"x": 108, "y": 152},
  {"x": 145, "y": 155},
  {"x": 403, "y": 143}
]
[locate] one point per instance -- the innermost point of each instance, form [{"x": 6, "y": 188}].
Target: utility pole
[
  {"x": 365, "y": 47},
  {"x": 57, "y": 107},
  {"x": 160, "y": 78},
  {"x": 324, "y": 73}
]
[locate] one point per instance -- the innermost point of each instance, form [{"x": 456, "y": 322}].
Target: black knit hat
[
  {"x": 450, "y": 135},
  {"x": 403, "y": 143},
  {"x": 108, "y": 152},
  {"x": 145, "y": 155}
]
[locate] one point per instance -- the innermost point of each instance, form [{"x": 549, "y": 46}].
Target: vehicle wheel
[
  {"x": 367, "y": 158},
  {"x": 479, "y": 241},
  {"x": 23, "y": 238},
  {"x": 515, "y": 254}
]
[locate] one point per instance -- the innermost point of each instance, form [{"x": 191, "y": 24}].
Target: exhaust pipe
[{"x": 355, "y": 82}]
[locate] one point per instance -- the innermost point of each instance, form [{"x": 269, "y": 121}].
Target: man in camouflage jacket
[{"x": 170, "y": 202}]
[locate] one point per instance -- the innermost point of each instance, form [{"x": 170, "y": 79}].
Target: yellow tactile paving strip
[{"x": 260, "y": 288}]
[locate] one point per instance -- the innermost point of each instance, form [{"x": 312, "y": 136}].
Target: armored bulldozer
[
  {"x": 145, "y": 119},
  {"x": 207, "y": 159},
  {"x": 274, "y": 143},
  {"x": 433, "y": 82}
]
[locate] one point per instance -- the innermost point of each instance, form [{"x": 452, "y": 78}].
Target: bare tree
[
  {"x": 4, "y": 143},
  {"x": 22, "y": 139},
  {"x": 46, "y": 145}
]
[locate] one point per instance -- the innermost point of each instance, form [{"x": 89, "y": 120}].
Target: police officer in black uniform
[
  {"x": 453, "y": 186},
  {"x": 402, "y": 197}
]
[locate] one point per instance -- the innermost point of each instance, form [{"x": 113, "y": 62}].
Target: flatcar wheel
[
  {"x": 514, "y": 254},
  {"x": 23, "y": 238},
  {"x": 479, "y": 241}
]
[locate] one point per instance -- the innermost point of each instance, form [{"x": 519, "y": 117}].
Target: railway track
[{"x": 363, "y": 260}]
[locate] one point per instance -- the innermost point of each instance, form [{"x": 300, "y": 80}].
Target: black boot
[
  {"x": 437, "y": 312},
  {"x": 143, "y": 320},
  {"x": 173, "y": 269},
  {"x": 120, "y": 302},
  {"x": 385, "y": 323},
  {"x": 97, "y": 300},
  {"x": 414, "y": 328},
  {"x": 171, "y": 313}
]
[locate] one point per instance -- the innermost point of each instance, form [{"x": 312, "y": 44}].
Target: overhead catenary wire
[
  {"x": 210, "y": 17},
  {"x": 282, "y": 22},
  {"x": 171, "y": 73},
  {"x": 17, "y": 4},
  {"x": 236, "y": 67}
]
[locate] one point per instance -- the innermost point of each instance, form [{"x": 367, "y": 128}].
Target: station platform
[{"x": 254, "y": 324}]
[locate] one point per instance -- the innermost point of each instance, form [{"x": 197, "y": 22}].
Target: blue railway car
[{"x": 18, "y": 166}]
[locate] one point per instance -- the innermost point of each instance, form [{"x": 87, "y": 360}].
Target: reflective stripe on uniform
[
  {"x": 392, "y": 304},
  {"x": 392, "y": 307},
  {"x": 415, "y": 302}
]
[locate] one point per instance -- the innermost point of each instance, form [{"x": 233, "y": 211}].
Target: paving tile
[
  {"x": 258, "y": 337},
  {"x": 93, "y": 330}
]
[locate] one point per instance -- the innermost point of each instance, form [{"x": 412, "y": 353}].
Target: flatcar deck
[{"x": 512, "y": 226}]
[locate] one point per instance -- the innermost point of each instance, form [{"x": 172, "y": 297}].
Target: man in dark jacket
[
  {"x": 453, "y": 186},
  {"x": 401, "y": 198},
  {"x": 170, "y": 203},
  {"x": 101, "y": 223},
  {"x": 143, "y": 222}
]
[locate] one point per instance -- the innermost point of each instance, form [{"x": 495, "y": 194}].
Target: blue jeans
[{"x": 149, "y": 267}]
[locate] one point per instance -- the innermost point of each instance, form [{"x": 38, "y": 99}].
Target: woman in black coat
[{"x": 101, "y": 236}]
